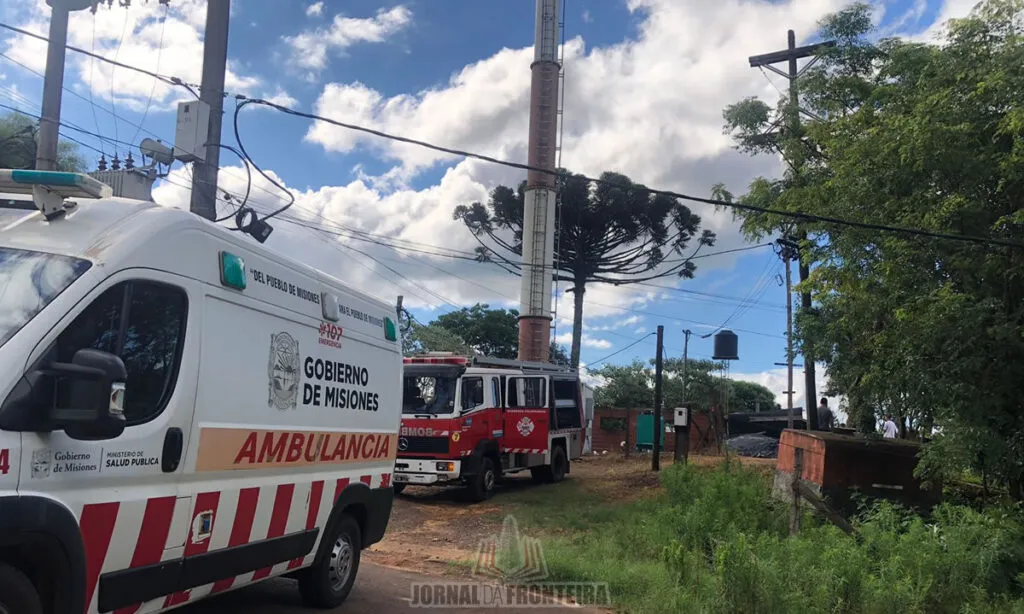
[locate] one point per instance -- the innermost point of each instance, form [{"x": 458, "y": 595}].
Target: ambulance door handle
[{"x": 173, "y": 444}]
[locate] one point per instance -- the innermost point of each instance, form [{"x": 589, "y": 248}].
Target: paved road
[{"x": 378, "y": 590}]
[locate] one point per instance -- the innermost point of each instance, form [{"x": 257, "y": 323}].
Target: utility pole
[
  {"x": 215, "y": 60},
  {"x": 658, "y": 365},
  {"x": 682, "y": 450},
  {"x": 53, "y": 81},
  {"x": 789, "y": 339},
  {"x": 791, "y": 54}
]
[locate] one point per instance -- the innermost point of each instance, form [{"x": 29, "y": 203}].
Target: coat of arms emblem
[{"x": 283, "y": 371}]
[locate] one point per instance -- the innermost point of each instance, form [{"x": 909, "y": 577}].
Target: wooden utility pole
[
  {"x": 791, "y": 54},
  {"x": 215, "y": 60},
  {"x": 658, "y": 365}
]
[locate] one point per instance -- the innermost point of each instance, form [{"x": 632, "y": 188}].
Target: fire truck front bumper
[{"x": 426, "y": 471}]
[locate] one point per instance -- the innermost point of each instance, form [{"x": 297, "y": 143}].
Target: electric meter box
[
  {"x": 192, "y": 130},
  {"x": 682, "y": 416}
]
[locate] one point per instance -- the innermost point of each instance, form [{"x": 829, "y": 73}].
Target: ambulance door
[
  {"x": 125, "y": 490},
  {"x": 527, "y": 415}
]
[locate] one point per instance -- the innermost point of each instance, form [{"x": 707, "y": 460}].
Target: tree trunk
[{"x": 577, "y": 322}]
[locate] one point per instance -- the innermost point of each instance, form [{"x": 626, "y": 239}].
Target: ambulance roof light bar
[{"x": 50, "y": 188}]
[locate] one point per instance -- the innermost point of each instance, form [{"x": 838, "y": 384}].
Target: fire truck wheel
[
  {"x": 329, "y": 580},
  {"x": 481, "y": 487},
  {"x": 559, "y": 464},
  {"x": 17, "y": 593},
  {"x": 555, "y": 472},
  {"x": 398, "y": 488}
]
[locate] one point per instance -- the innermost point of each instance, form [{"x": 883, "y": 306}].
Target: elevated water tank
[{"x": 726, "y": 344}]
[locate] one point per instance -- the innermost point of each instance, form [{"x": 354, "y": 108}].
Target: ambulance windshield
[
  {"x": 28, "y": 282},
  {"x": 428, "y": 394}
]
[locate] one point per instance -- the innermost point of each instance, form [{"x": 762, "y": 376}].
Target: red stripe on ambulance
[
  {"x": 316, "y": 493},
  {"x": 156, "y": 525},
  {"x": 241, "y": 528},
  {"x": 97, "y": 526},
  {"x": 278, "y": 520},
  {"x": 205, "y": 502}
]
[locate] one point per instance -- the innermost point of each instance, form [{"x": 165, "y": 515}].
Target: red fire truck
[{"x": 475, "y": 420}]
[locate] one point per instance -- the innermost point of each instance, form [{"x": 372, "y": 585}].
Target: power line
[
  {"x": 152, "y": 89},
  {"x": 69, "y": 126},
  {"x": 166, "y": 79},
  {"x": 113, "y": 99},
  {"x": 617, "y": 352},
  {"x": 797, "y": 215},
  {"x": 92, "y": 103},
  {"x": 807, "y": 217}
]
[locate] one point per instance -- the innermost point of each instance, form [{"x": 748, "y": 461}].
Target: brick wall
[{"x": 701, "y": 435}]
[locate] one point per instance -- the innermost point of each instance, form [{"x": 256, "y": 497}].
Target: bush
[
  {"x": 716, "y": 541},
  {"x": 958, "y": 560}
]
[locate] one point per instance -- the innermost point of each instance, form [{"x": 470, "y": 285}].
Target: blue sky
[{"x": 646, "y": 81}]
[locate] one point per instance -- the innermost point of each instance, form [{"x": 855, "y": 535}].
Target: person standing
[
  {"x": 889, "y": 428},
  {"x": 826, "y": 418}
]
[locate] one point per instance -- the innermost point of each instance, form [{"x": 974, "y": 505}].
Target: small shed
[{"x": 837, "y": 466}]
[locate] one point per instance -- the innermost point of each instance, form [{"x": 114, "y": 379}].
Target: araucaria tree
[{"x": 610, "y": 231}]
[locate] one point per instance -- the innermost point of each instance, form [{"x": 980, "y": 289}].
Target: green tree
[
  {"x": 632, "y": 386},
  {"x": 492, "y": 332},
  {"x": 749, "y": 396},
  {"x": 930, "y": 137},
  {"x": 18, "y": 134},
  {"x": 477, "y": 329},
  {"x": 618, "y": 235}
]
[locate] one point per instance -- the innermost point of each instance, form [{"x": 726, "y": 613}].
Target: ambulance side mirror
[{"x": 95, "y": 397}]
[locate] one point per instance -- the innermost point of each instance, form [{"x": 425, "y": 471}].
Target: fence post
[{"x": 794, "y": 510}]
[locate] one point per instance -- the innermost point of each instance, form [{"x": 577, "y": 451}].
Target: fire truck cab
[{"x": 476, "y": 420}]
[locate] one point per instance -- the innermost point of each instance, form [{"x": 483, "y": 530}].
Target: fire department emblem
[
  {"x": 283, "y": 371},
  {"x": 525, "y": 426}
]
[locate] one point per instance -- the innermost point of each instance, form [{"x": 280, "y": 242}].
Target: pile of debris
[{"x": 756, "y": 445}]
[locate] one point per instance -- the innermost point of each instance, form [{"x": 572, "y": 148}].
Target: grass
[{"x": 713, "y": 540}]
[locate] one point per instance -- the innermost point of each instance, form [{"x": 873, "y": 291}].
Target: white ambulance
[{"x": 182, "y": 411}]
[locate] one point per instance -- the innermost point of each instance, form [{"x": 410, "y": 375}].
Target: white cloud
[
  {"x": 587, "y": 17},
  {"x": 310, "y": 48},
  {"x": 280, "y": 97},
  {"x": 586, "y": 341},
  {"x": 315, "y": 10},
  {"x": 951, "y": 9},
  {"x": 139, "y": 36}
]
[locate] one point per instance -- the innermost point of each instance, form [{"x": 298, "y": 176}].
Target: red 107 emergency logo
[
  {"x": 5, "y": 461},
  {"x": 330, "y": 334}
]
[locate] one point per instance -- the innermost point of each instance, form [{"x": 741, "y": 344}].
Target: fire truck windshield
[{"x": 428, "y": 394}]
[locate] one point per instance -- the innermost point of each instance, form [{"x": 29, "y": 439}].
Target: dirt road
[{"x": 378, "y": 590}]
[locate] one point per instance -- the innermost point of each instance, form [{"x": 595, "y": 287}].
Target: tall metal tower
[{"x": 539, "y": 212}]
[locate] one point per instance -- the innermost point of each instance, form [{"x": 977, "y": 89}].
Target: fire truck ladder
[{"x": 524, "y": 365}]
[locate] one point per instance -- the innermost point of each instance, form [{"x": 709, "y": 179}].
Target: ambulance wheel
[
  {"x": 398, "y": 488},
  {"x": 329, "y": 581},
  {"x": 481, "y": 486},
  {"x": 17, "y": 593}
]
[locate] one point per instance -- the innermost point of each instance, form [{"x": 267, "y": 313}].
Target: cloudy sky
[{"x": 646, "y": 81}]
